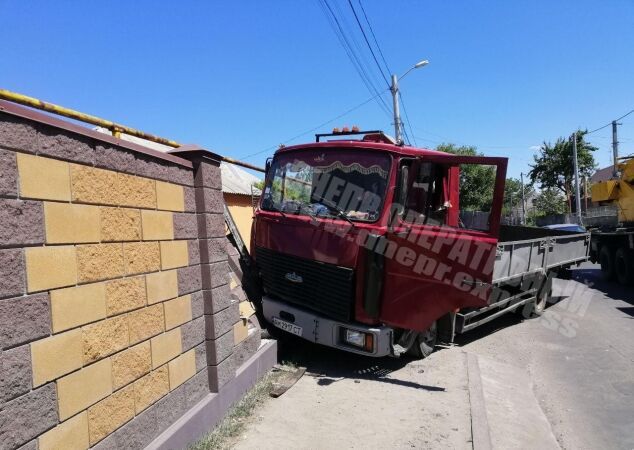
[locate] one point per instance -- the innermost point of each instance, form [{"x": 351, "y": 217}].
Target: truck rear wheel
[
  {"x": 606, "y": 259},
  {"x": 544, "y": 292},
  {"x": 425, "y": 342},
  {"x": 624, "y": 266}
]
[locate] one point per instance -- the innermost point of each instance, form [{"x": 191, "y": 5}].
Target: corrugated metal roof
[{"x": 235, "y": 180}]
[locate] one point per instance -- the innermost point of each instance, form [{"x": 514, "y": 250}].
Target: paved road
[{"x": 580, "y": 356}]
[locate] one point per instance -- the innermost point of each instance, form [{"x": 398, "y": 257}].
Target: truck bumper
[{"x": 321, "y": 330}]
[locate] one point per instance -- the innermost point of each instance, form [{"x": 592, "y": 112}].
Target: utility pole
[
  {"x": 615, "y": 150},
  {"x": 585, "y": 191},
  {"x": 523, "y": 200},
  {"x": 394, "y": 89},
  {"x": 397, "y": 113},
  {"x": 576, "y": 169}
]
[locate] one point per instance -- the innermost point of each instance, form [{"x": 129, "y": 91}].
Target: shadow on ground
[
  {"x": 330, "y": 365},
  {"x": 591, "y": 275}
]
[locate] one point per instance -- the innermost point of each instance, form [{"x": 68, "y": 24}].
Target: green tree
[
  {"x": 477, "y": 181},
  {"x": 553, "y": 167},
  {"x": 549, "y": 201}
]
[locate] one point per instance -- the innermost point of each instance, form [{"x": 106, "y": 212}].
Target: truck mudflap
[{"x": 369, "y": 341}]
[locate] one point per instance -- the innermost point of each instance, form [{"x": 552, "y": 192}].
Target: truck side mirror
[{"x": 267, "y": 167}]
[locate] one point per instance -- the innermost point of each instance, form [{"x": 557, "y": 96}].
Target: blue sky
[{"x": 240, "y": 77}]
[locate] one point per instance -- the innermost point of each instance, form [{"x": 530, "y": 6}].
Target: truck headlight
[
  {"x": 364, "y": 341},
  {"x": 355, "y": 338}
]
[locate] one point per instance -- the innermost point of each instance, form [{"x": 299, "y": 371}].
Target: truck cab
[{"x": 361, "y": 244}]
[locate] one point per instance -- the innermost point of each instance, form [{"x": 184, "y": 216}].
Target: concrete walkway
[{"x": 445, "y": 401}]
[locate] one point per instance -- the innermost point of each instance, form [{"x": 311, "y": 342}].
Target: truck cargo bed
[{"x": 524, "y": 250}]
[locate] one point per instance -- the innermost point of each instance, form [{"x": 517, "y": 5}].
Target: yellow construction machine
[{"x": 613, "y": 247}]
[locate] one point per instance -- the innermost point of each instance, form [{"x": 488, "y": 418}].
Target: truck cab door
[{"x": 440, "y": 248}]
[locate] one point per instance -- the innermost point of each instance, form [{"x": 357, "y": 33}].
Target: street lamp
[{"x": 394, "y": 90}]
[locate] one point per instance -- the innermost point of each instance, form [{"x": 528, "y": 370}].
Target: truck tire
[
  {"x": 624, "y": 266},
  {"x": 606, "y": 259},
  {"x": 541, "y": 299},
  {"x": 425, "y": 342}
]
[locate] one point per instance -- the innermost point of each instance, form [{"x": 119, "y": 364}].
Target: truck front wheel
[
  {"x": 425, "y": 342},
  {"x": 624, "y": 266},
  {"x": 606, "y": 259}
]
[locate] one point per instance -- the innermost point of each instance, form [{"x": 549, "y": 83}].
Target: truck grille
[{"x": 324, "y": 288}]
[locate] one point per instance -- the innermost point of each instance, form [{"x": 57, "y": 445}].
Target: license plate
[{"x": 287, "y": 326}]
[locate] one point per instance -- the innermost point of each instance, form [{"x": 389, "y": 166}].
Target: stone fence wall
[{"x": 117, "y": 317}]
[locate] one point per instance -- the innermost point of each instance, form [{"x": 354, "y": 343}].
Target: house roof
[
  {"x": 236, "y": 180},
  {"x": 602, "y": 174}
]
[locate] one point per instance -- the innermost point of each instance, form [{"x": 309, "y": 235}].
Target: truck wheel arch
[{"x": 446, "y": 327}]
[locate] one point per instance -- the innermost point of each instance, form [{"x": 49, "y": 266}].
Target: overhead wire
[
  {"x": 303, "y": 133},
  {"x": 610, "y": 123},
  {"x": 374, "y": 37},
  {"x": 344, "y": 41},
  {"x": 365, "y": 37},
  {"x": 409, "y": 123}
]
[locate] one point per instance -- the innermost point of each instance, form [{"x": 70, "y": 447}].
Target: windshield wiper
[
  {"x": 336, "y": 209},
  {"x": 274, "y": 208}
]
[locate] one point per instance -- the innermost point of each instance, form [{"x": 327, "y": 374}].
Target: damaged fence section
[{"x": 121, "y": 319}]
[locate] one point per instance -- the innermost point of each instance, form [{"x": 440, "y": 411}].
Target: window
[
  {"x": 332, "y": 184},
  {"x": 438, "y": 194}
]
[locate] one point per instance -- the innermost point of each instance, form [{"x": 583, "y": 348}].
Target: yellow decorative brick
[
  {"x": 79, "y": 390},
  {"x": 174, "y": 254},
  {"x": 69, "y": 435},
  {"x": 120, "y": 224},
  {"x": 246, "y": 309},
  {"x": 182, "y": 369},
  {"x": 145, "y": 323},
  {"x": 99, "y": 262},
  {"x": 50, "y": 267},
  {"x": 131, "y": 364},
  {"x": 137, "y": 191},
  {"x": 151, "y": 388},
  {"x": 157, "y": 225},
  {"x": 125, "y": 295},
  {"x": 104, "y": 338},
  {"x": 55, "y": 356},
  {"x": 166, "y": 346},
  {"x": 111, "y": 413},
  {"x": 240, "y": 331},
  {"x": 178, "y": 311},
  {"x": 68, "y": 223},
  {"x": 142, "y": 257},
  {"x": 43, "y": 178},
  {"x": 76, "y": 306},
  {"x": 161, "y": 286},
  {"x": 170, "y": 196},
  {"x": 91, "y": 185}
]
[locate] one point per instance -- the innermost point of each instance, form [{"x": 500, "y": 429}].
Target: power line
[
  {"x": 303, "y": 133},
  {"x": 409, "y": 123},
  {"x": 352, "y": 56},
  {"x": 368, "y": 42},
  {"x": 610, "y": 123},
  {"x": 374, "y": 37}
]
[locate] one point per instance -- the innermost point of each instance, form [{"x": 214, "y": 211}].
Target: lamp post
[{"x": 394, "y": 90}]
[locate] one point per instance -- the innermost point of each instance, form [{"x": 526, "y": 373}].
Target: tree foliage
[
  {"x": 550, "y": 201},
  {"x": 477, "y": 181},
  {"x": 554, "y": 167}
]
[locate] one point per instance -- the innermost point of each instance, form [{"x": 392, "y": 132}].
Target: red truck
[{"x": 361, "y": 244}]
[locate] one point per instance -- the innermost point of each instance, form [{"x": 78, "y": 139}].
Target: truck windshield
[{"x": 334, "y": 183}]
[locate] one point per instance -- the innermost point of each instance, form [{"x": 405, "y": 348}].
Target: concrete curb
[
  {"x": 481, "y": 439},
  {"x": 210, "y": 410},
  {"x": 502, "y": 395}
]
